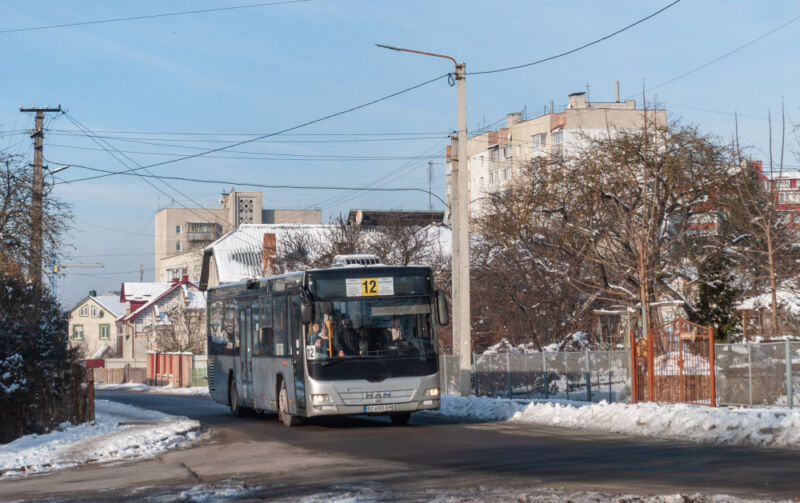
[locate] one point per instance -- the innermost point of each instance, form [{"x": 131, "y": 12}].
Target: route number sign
[{"x": 369, "y": 287}]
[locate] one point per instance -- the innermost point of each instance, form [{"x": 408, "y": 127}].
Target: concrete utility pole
[
  {"x": 35, "y": 263},
  {"x": 462, "y": 339}
]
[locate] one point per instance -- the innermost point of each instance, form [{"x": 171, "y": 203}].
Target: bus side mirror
[
  {"x": 441, "y": 308},
  {"x": 306, "y": 313}
]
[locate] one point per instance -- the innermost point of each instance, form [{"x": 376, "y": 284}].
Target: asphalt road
[{"x": 427, "y": 455}]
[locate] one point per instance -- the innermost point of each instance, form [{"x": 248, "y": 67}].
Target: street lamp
[{"x": 460, "y": 224}]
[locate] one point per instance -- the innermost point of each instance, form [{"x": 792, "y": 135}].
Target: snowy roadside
[
  {"x": 739, "y": 426},
  {"x": 164, "y": 390},
  {"x": 119, "y": 432}
]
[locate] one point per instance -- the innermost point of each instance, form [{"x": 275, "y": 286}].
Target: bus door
[
  {"x": 298, "y": 349},
  {"x": 246, "y": 355}
]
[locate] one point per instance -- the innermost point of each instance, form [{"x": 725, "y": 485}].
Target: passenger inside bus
[
  {"x": 318, "y": 337},
  {"x": 345, "y": 339}
]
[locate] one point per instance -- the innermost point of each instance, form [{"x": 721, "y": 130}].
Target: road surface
[{"x": 427, "y": 456}]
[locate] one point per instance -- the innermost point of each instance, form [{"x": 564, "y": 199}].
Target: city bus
[{"x": 356, "y": 339}]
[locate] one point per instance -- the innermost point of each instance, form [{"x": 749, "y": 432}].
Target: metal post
[
  {"x": 750, "y": 372},
  {"x": 491, "y": 377},
  {"x": 525, "y": 371},
  {"x": 508, "y": 374},
  {"x": 475, "y": 374},
  {"x": 544, "y": 370},
  {"x": 588, "y": 376},
  {"x": 789, "y": 387},
  {"x": 610, "y": 378},
  {"x": 444, "y": 367},
  {"x": 566, "y": 374}
]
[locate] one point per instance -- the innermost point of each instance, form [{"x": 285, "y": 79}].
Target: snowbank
[
  {"x": 119, "y": 432},
  {"x": 164, "y": 390},
  {"x": 754, "y": 427}
]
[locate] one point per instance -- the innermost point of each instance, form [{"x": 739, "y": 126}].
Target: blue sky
[{"x": 226, "y": 76}]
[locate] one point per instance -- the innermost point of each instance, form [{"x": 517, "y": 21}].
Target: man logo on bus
[{"x": 377, "y": 394}]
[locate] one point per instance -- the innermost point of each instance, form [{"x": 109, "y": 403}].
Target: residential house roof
[
  {"x": 158, "y": 296},
  {"x": 138, "y": 292}
]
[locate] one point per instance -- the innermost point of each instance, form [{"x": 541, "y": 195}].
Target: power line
[
  {"x": 153, "y": 141},
  {"x": 292, "y": 128},
  {"x": 257, "y": 156},
  {"x": 196, "y": 133},
  {"x": 251, "y": 184},
  {"x": 584, "y": 46},
  {"x": 149, "y": 16}
]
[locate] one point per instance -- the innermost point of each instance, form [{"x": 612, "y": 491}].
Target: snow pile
[
  {"x": 672, "y": 362},
  {"x": 164, "y": 390},
  {"x": 101, "y": 352},
  {"x": 119, "y": 432},
  {"x": 756, "y": 427},
  {"x": 576, "y": 341},
  {"x": 788, "y": 300}
]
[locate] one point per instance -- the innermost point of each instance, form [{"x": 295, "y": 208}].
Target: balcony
[{"x": 202, "y": 236}]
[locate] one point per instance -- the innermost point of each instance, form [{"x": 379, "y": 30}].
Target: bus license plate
[{"x": 378, "y": 408}]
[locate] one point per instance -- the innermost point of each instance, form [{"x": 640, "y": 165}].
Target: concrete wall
[
  {"x": 291, "y": 217},
  {"x": 190, "y": 261}
]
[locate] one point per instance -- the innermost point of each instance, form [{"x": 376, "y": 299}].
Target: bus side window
[
  {"x": 266, "y": 344},
  {"x": 279, "y": 319},
  {"x": 230, "y": 328},
  {"x": 297, "y": 328}
]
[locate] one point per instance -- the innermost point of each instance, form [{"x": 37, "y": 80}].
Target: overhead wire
[
  {"x": 261, "y": 185},
  {"x": 286, "y": 130},
  {"x": 149, "y": 16},
  {"x": 584, "y": 46}
]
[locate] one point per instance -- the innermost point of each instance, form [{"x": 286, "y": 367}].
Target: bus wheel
[
  {"x": 283, "y": 407},
  {"x": 400, "y": 419},
  {"x": 233, "y": 398}
]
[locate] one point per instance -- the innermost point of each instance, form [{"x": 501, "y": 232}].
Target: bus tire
[
  {"x": 233, "y": 399},
  {"x": 400, "y": 419},
  {"x": 283, "y": 407}
]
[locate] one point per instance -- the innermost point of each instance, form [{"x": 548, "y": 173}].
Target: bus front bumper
[{"x": 371, "y": 409}]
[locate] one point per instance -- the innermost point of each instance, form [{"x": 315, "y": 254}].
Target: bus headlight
[
  {"x": 432, "y": 392},
  {"x": 320, "y": 398}
]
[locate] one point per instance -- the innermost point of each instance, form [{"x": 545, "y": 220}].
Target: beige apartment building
[
  {"x": 182, "y": 233},
  {"x": 496, "y": 157}
]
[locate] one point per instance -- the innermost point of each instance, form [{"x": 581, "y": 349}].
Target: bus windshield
[{"x": 371, "y": 329}]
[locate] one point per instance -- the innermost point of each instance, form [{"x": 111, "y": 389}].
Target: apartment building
[
  {"x": 182, "y": 233},
  {"x": 786, "y": 186},
  {"x": 497, "y": 157}
]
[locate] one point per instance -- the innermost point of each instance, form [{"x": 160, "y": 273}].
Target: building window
[
  {"x": 789, "y": 197},
  {"x": 77, "y": 332},
  {"x": 506, "y": 151},
  {"x": 84, "y": 312},
  {"x": 782, "y": 184},
  {"x": 519, "y": 150},
  {"x": 178, "y": 246},
  {"x": 105, "y": 332},
  {"x": 507, "y": 175},
  {"x": 493, "y": 154},
  {"x": 557, "y": 138},
  {"x": 538, "y": 141},
  {"x": 97, "y": 313},
  {"x": 177, "y": 229}
]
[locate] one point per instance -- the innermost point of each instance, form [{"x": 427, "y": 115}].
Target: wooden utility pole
[{"x": 35, "y": 262}]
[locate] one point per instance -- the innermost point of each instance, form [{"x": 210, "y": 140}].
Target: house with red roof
[{"x": 162, "y": 317}]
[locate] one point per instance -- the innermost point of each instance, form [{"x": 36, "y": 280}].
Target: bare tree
[
  {"x": 16, "y": 187},
  {"x": 182, "y": 329},
  {"x": 762, "y": 237},
  {"x": 617, "y": 219}
]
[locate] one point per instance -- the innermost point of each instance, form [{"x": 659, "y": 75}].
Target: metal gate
[{"x": 675, "y": 364}]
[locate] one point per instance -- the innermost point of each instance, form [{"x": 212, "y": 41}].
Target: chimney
[
  {"x": 514, "y": 118},
  {"x": 616, "y": 89},
  {"x": 577, "y": 100},
  {"x": 551, "y": 107},
  {"x": 92, "y": 293},
  {"x": 269, "y": 254}
]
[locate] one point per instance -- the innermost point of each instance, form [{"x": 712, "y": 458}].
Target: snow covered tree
[
  {"x": 38, "y": 368},
  {"x": 616, "y": 219}
]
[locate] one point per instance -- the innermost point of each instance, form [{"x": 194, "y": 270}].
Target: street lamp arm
[{"x": 401, "y": 49}]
